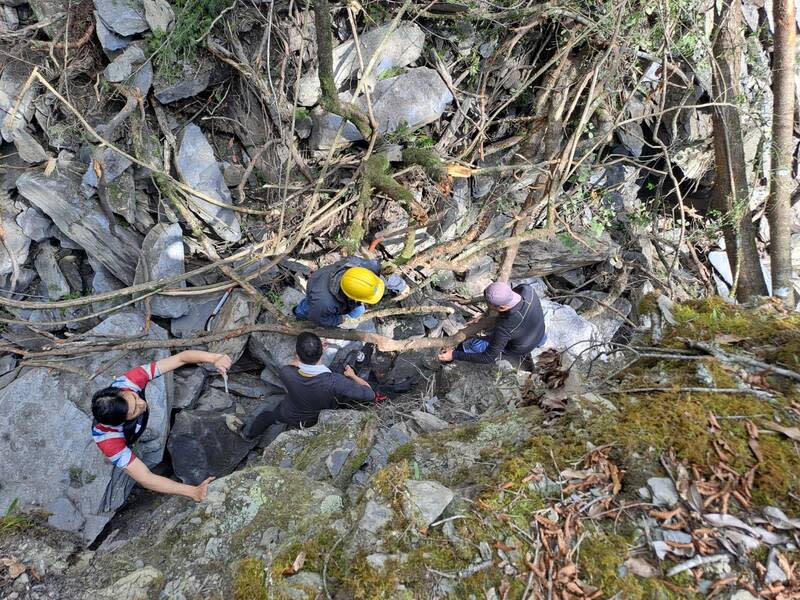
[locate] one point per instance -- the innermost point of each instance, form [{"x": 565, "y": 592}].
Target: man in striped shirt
[{"x": 120, "y": 418}]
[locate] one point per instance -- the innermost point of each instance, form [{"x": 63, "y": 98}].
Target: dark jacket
[
  {"x": 326, "y": 303},
  {"x": 307, "y": 396},
  {"x": 518, "y": 331}
]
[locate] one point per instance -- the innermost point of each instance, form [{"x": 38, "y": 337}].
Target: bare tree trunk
[
  {"x": 779, "y": 203},
  {"x": 731, "y": 194}
]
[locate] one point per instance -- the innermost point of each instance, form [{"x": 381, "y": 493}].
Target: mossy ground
[{"x": 642, "y": 429}]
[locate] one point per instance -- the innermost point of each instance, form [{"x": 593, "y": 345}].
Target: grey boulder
[
  {"x": 162, "y": 257},
  {"x": 124, "y": 17},
  {"x": 67, "y": 475},
  {"x": 158, "y": 14},
  {"x": 81, "y": 220},
  {"x": 132, "y": 63},
  {"x": 199, "y": 170},
  {"x": 34, "y": 223},
  {"x": 202, "y": 446},
  {"x": 189, "y": 384},
  {"x": 415, "y": 98},
  {"x": 424, "y": 501},
  {"x": 29, "y": 149},
  {"x": 401, "y": 47},
  {"x": 570, "y": 333}
]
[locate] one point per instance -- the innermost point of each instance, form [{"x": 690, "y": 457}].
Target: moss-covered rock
[
  {"x": 218, "y": 548},
  {"x": 332, "y": 450}
]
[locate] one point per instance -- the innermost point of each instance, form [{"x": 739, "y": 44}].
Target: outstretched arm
[
  {"x": 147, "y": 479},
  {"x": 193, "y": 357}
]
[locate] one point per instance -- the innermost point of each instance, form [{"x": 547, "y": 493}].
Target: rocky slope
[{"x": 589, "y": 491}]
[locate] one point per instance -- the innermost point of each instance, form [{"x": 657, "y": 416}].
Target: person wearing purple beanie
[{"x": 519, "y": 328}]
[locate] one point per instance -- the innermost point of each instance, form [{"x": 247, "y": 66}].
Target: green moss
[
  {"x": 599, "y": 560},
  {"x": 404, "y": 452},
  {"x": 250, "y": 580},
  {"x": 764, "y": 330},
  {"x": 391, "y": 72},
  {"x": 427, "y": 159}
]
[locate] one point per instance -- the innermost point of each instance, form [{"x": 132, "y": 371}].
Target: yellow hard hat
[{"x": 362, "y": 285}]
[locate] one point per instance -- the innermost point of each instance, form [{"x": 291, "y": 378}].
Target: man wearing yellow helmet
[{"x": 340, "y": 290}]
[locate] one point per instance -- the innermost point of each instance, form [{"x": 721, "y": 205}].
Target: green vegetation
[
  {"x": 12, "y": 520},
  {"x": 250, "y": 580},
  {"x": 178, "y": 49},
  {"x": 391, "y": 72}
]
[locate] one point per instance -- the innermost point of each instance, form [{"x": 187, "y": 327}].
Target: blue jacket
[{"x": 327, "y": 305}]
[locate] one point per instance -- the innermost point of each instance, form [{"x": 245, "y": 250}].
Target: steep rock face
[
  {"x": 49, "y": 457},
  {"x": 255, "y": 513}
]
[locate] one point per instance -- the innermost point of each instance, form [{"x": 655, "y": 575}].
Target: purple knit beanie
[{"x": 500, "y": 293}]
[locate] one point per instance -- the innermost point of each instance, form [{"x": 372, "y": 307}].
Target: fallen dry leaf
[
  {"x": 298, "y": 563},
  {"x": 790, "y": 432},
  {"x": 15, "y": 568}
]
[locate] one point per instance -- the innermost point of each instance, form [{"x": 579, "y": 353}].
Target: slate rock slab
[
  {"x": 663, "y": 491},
  {"x": 109, "y": 40},
  {"x": 158, "y": 14},
  {"x": 201, "y": 446},
  {"x": 401, "y": 47},
  {"x": 162, "y": 257},
  {"x": 193, "y": 81},
  {"x": 123, "y": 17},
  {"x": 194, "y": 321},
  {"x": 238, "y": 311},
  {"x": 424, "y": 501},
  {"x": 415, "y": 98},
  {"x": 34, "y": 223},
  {"x": 54, "y": 283},
  {"x": 199, "y": 169},
  {"x": 29, "y": 149},
  {"x": 81, "y": 220},
  {"x": 131, "y": 67}
]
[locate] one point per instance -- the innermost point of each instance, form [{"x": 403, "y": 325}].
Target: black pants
[{"x": 258, "y": 422}]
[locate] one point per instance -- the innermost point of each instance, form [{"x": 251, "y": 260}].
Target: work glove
[{"x": 395, "y": 283}]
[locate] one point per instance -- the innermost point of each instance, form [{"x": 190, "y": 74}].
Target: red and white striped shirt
[{"x": 111, "y": 438}]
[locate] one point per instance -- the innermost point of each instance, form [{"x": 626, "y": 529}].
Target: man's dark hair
[
  {"x": 109, "y": 406},
  {"x": 308, "y": 347}
]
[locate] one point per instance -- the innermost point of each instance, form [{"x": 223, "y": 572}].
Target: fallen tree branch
[
  {"x": 721, "y": 355},
  {"x": 697, "y": 390},
  {"x": 383, "y": 343}
]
